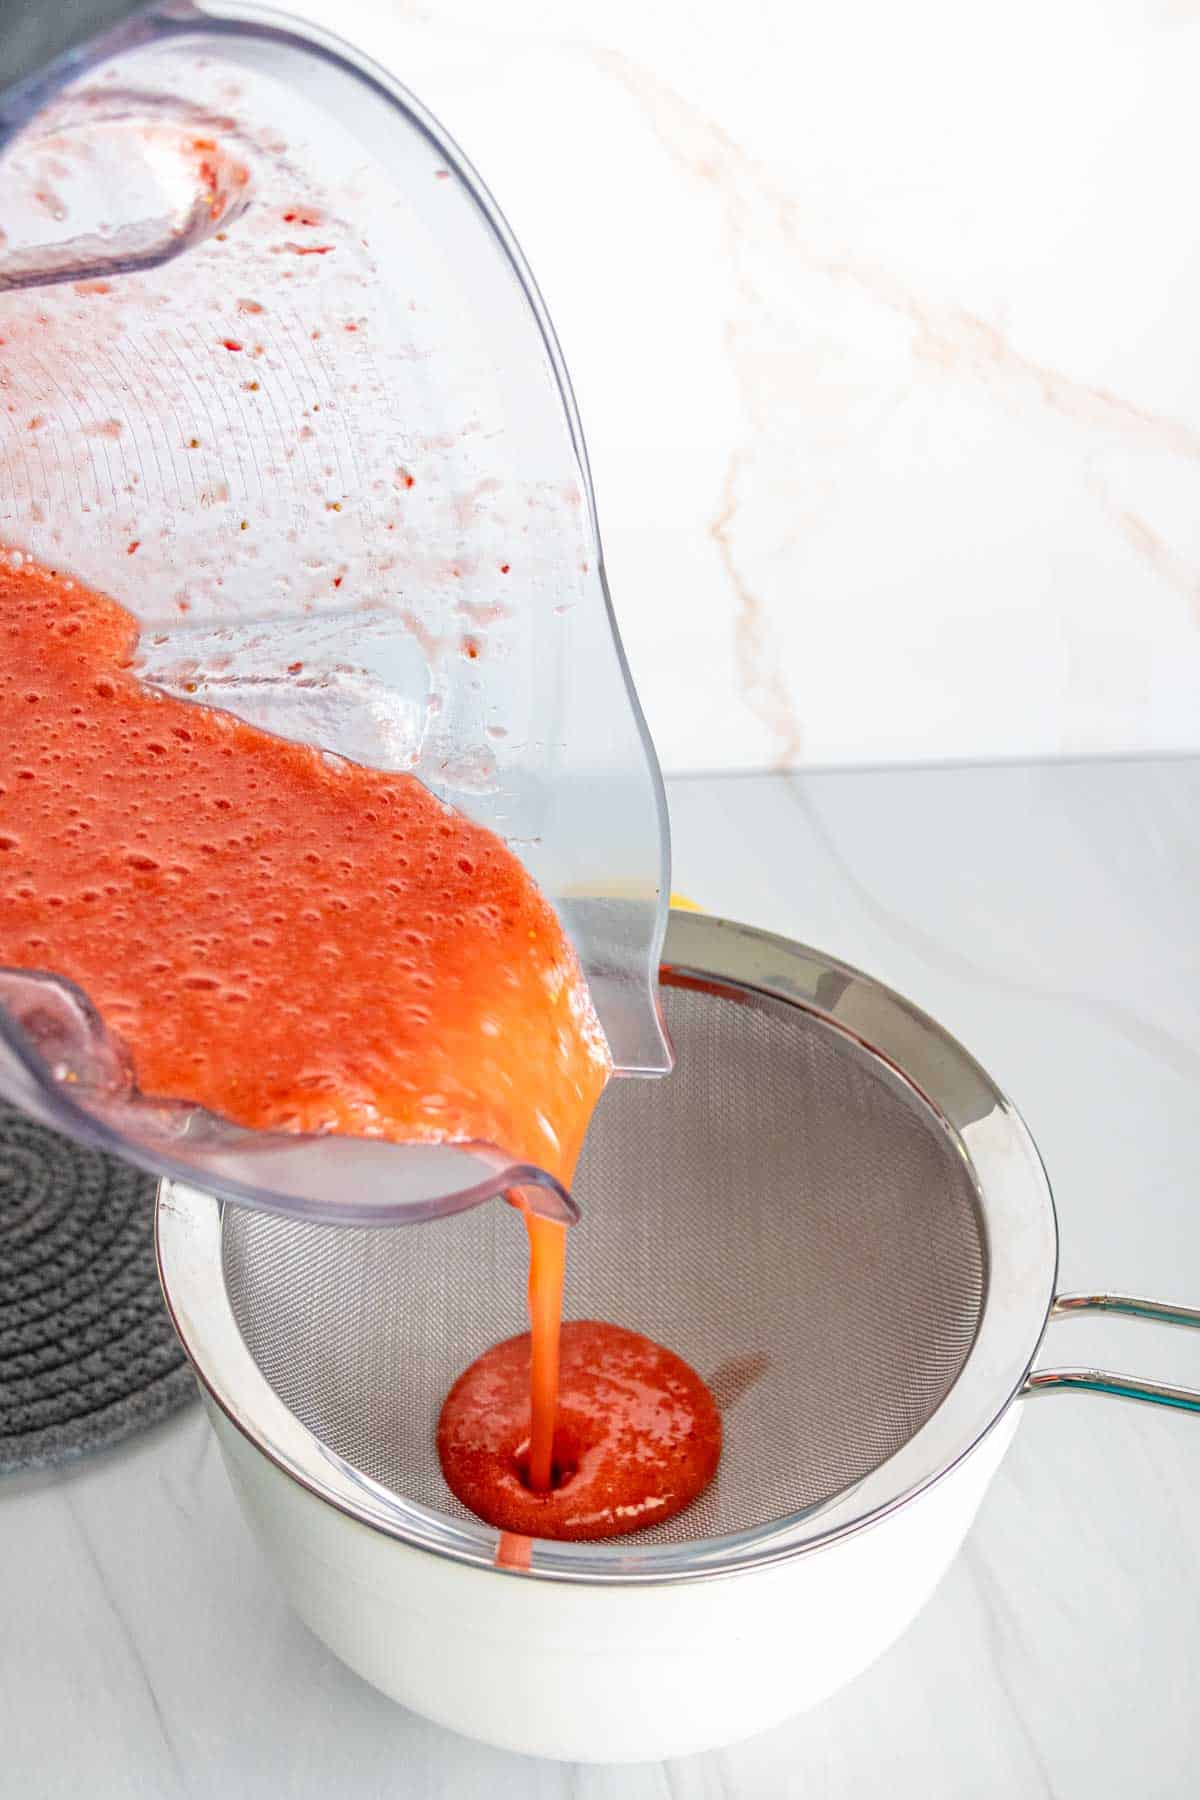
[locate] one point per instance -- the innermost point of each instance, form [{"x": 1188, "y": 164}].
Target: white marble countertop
[
  {"x": 1047, "y": 915},
  {"x": 881, "y": 322}
]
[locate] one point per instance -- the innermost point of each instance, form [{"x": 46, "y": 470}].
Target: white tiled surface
[
  {"x": 1048, "y": 917},
  {"x": 882, "y": 321}
]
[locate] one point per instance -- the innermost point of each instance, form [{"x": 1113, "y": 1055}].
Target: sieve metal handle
[{"x": 1103, "y": 1381}]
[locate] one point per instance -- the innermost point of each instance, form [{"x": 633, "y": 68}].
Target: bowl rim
[{"x": 1020, "y": 1242}]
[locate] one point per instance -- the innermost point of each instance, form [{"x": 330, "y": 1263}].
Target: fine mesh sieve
[
  {"x": 829, "y": 1208},
  {"x": 787, "y": 1212}
]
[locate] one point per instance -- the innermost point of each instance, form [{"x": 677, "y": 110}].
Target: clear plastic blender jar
[{"x": 276, "y": 376}]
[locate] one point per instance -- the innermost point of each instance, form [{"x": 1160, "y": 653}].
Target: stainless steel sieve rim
[{"x": 1020, "y": 1240}]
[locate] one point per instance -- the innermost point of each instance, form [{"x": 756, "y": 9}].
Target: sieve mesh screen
[{"x": 781, "y": 1211}]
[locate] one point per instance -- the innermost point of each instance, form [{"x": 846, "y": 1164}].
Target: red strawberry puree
[
  {"x": 637, "y": 1436},
  {"x": 300, "y": 943}
]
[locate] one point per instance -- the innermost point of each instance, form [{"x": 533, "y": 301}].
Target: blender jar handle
[{"x": 1103, "y": 1381}]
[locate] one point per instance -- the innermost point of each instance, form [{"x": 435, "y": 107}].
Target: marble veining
[
  {"x": 881, "y": 327},
  {"x": 126, "y": 1640},
  {"x": 763, "y": 223}
]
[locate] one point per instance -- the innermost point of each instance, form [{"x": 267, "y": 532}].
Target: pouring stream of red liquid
[{"x": 547, "y": 1267}]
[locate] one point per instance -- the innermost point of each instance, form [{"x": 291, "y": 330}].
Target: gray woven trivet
[{"x": 87, "y": 1353}]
